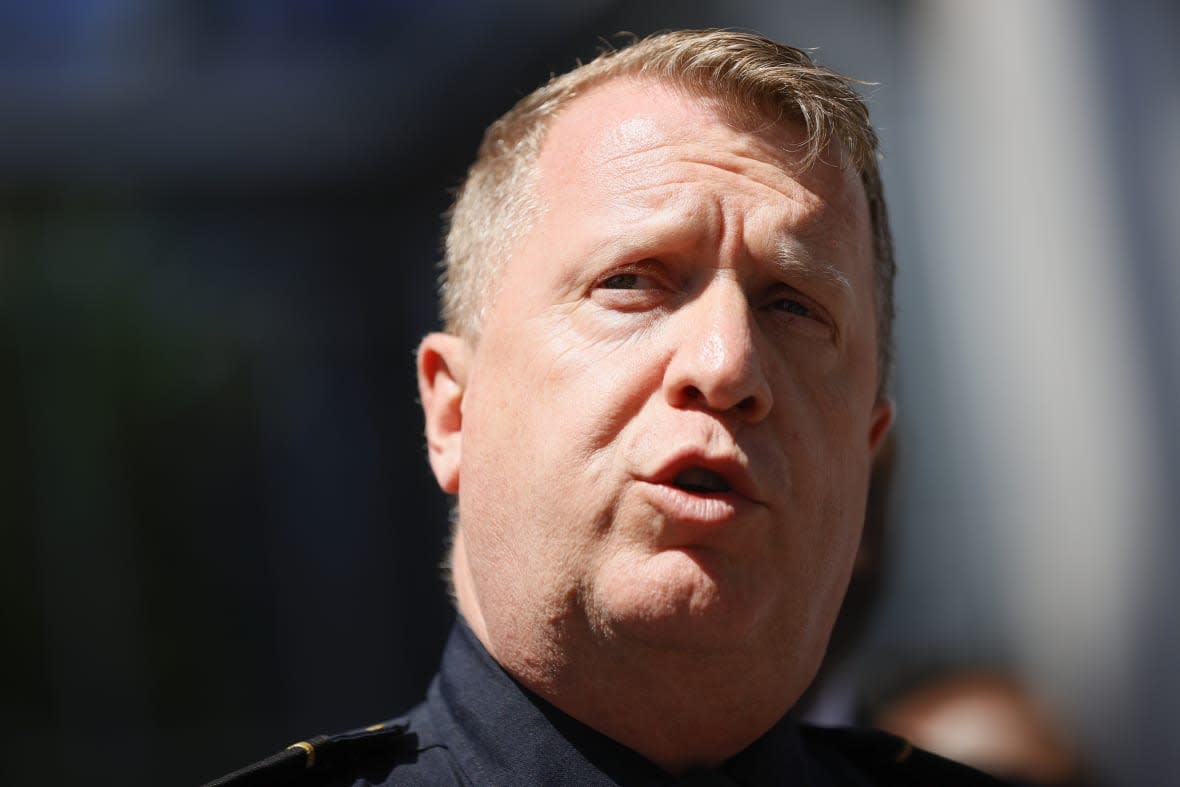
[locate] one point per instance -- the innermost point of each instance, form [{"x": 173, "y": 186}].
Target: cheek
[
  {"x": 595, "y": 388},
  {"x": 544, "y": 428},
  {"x": 828, "y": 462},
  {"x": 843, "y": 511}
]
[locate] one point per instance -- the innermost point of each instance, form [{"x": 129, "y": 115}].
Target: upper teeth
[{"x": 700, "y": 479}]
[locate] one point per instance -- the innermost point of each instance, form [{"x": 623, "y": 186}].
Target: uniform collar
[{"x": 501, "y": 733}]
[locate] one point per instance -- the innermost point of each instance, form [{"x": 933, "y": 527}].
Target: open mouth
[{"x": 701, "y": 480}]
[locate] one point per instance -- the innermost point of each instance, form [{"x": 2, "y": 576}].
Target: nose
[{"x": 715, "y": 363}]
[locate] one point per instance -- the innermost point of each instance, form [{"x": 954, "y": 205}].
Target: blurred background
[{"x": 218, "y": 229}]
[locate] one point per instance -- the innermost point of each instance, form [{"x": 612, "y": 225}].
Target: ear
[
  {"x": 442, "y": 374},
  {"x": 882, "y": 419}
]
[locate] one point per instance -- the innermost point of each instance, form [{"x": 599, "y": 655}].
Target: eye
[
  {"x": 622, "y": 281},
  {"x": 627, "y": 281},
  {"x": 635, "y": 288},
  {"x": 798, "y": 313},
  {"x": 793, "y": 306}
]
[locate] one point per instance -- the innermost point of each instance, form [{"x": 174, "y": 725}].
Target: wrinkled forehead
[
  {"x": 626, "y": 131},
  {"x": 629, "y": 114}
]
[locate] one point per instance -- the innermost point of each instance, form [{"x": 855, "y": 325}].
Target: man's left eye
[{"x": 792, "y": 306}]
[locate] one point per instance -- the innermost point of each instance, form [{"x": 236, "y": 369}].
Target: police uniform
[{"x": 478, "y": 726}]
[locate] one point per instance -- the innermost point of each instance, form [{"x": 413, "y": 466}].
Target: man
[{"x": 667, "y": 297}]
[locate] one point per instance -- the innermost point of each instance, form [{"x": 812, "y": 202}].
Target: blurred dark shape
[{"x": 987, "y": 720}]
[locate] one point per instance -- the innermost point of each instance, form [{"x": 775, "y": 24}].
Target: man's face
[{"x": 665, "y": 430}]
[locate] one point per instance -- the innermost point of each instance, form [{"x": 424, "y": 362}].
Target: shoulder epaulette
[
  {"x": 890, "y": 761},
  {"x": 311, "y": 761}
]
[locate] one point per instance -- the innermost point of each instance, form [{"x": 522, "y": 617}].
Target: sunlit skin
[{"x": 661, "y": 440}]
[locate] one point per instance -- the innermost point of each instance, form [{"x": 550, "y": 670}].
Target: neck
[
  {"x": 679, "y": 709},
  {"x": 677, "y": 715}
]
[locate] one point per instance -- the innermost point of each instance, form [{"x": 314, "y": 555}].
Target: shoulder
[
  {"x": 885, "y": 759},
  {"x": 390, "y": 753}
]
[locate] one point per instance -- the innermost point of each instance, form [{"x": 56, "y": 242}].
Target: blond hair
[{"x": 747, "y": 73}]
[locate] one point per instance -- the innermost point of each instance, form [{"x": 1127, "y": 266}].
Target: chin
[{"x": 681, "y": 598}]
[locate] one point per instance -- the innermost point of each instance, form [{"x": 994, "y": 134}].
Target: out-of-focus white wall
[{"x": 1030, "y": 284}]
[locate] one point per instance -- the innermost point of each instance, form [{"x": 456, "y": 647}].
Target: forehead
[{"x": 642, "y": 138}]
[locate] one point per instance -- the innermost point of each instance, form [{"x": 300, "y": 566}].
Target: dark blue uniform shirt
[{"x": 478, "y": 726}]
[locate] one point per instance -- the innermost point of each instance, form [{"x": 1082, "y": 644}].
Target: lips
[
  {"x": 701, "y": 479},
  {"x": 694, "y": 485}
]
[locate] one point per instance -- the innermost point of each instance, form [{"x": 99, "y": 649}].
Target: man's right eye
[{"x": 622, "y": 281}]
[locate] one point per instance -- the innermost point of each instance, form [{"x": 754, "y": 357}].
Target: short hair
[{"x": 745, "y": 72}]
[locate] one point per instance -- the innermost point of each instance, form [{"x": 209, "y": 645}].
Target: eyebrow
[{"x": 791, "y": 257}]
